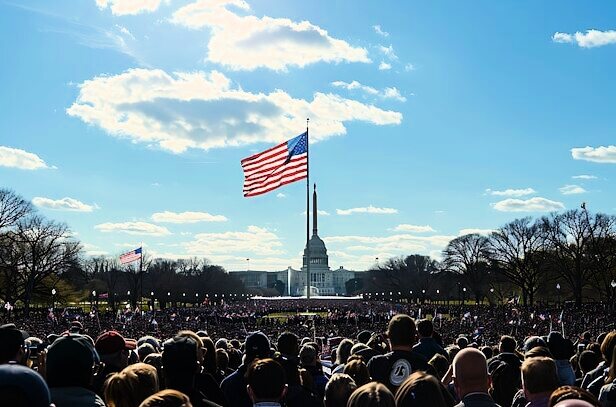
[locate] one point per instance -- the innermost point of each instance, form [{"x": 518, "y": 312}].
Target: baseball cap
[
  {"x": 18, "y": 382},
  {"x": 111, "y": 342},
  {"x": 257, "y": 346},
  {"x": 71, "y": 351},
  {"x": 180, "y": 352}
]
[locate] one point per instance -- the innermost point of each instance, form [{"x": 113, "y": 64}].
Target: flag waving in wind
[
  {"x": 131, "y": 256},
  {"x": 277, "y": 166}
]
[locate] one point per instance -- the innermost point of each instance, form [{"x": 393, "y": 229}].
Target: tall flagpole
[{"x": 307, "y": 213}]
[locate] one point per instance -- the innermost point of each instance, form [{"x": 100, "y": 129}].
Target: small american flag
[
  {"x": 277, "y": 166},
  {"x": 131, "y": 256}
]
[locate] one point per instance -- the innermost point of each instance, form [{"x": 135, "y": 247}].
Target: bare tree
[
  {"x": 468, "y": 256},
  {"x": 569, "y": 237},
  {"x": 13, "y": 208},
  {"x": 516, "y": 249},
  {"x": 42, "y": 250}
]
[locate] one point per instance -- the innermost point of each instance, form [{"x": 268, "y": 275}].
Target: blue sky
[{"x": 128, "y": 120}]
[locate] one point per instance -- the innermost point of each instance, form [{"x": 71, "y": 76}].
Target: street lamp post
[
  {"x": 558, "y": 290},
  {"x": 93, "y": 298},
  {"x": 53, "y": 298},
  {"x": 463, "y": 295}
]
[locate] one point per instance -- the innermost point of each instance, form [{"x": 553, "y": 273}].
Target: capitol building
[{"x": 323, "y": 280}]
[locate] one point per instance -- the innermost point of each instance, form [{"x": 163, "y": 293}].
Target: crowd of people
[{"x": 318, "y": 353}]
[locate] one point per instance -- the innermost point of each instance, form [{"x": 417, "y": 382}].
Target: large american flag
[
  {"x": 131, "y": 256},
  {"x": 277, "y": 166}
]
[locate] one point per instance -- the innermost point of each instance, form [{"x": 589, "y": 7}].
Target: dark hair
[
  {"x": 288, "y": 344},
  {"x": 487, "y": 351},
  {"x": 266, "y": 379},
  {"x": 508, "y": 344},
  {"x": 538, "y": 351},
  {"x": 588, "y": 360},
  {"x": 357, "y": 369},
  {"x": 425, "y": 328},
  {"x": 505, "y": 383},
  {"x": 210, "y": 363},
  {"x": 440, "y": 363},
  {"x": 401, "y": 330},
  {"x": 372, "y": 394},
  {"x": 421, "y": 389},
  {"x": 572, "y": 393}
]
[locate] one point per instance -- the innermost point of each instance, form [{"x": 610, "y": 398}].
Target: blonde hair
[
  {"x": 167, "y": 398},
  {"x": 131, "y": 386}
]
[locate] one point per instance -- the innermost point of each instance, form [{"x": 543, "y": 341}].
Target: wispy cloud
[
  {"x": 377, "y": 29},
  {"x": 584, "y": 177},
  {"x": 387, "y": 93},
  {"x": 388, "y": 52},
  {"x": 405, "y": 227},
  {"x": 511, "y": 192},
  {"x": 571, "y": 190},
  {"x": 384, "y": 66},
  {"x": 367, "y": 209},
  {"x": 129, "y": 7},
  {"x": 536, "y": 204},
  {"x": 602, "y": 154},
  {"x": 133, "y": 228},
  {"x": 589, "y": 39},
  {"x": 186, "y": 217},
  {"x": 63, "y": 204},
  {"x": 21, "y": 159}
]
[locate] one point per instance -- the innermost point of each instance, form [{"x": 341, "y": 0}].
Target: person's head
[
  {"x": 344, "y": 351},
  {"x": 144, "y": 350},
  {"x": 538, "y": 351},
  {"x": 571, "y": 393},
  {"x": 131, "y": 386},
  {"x": 201, "y": 350},
  {"x": 151, "y": 340},
  {"x": 507, "y": 344},
  {"x": 607, "y": 346},
  {"x": 222, "y": 343},
  {"x": 308, "y": 355},
  {"x": 425, "y": 329},
  {"x": 372, "y": 394},
  {"x": 358, "y": 370},
  {"x": 222, "y": 359},
  {"x": 179, "y": 362},
  {"x": 22, "y": 387},
  {"x": 440, "y": 364},
  {"x": 288, "y": 344},
  {"x": 561, "y": 348},
  {"x": 506, "y": 381},
  {"x": 462, "y": 342},
  {"x": 113, "y": 349},
  {"x": 266, "y": 381},
  {"x": 358, "y": 347},
  {"x": 210, "y": 362},
  {"x": 71, "y": 362},
  {"x": 364, "y": 336},
  {"x": 420, "y": 389},
  {"x": 470, "y": 372},
  {"x": 167, "y": 398},
  {"x": 12, "y": 345},
  {"x": 487, "y": 351},
  {"x": 587, "y": 361},
  {"x": 338, "y": 390},
  {"x": 257, "y": 346},
  {"x": 532, "y": 342},
  {"x": 401, "y": 331},
  {"x": 539, "y": 377},
  {"x": 611, "y": 374}
]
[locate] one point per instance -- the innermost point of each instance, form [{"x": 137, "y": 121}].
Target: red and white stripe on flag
[
  {"x": 131, "y": 256},
  {"x": 275, "y": 167}
]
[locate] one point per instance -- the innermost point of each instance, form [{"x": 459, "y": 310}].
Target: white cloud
[
  {"x": 511, "y": 192},
  {"x": 589, "y": 39},
  {"x": 247, "y": 42},
  {"x": 254, "y": 241},
  {"x": 281, "y": 195},
  {"x": 125, "y": 31},
  {"x": 16, "y": 158},
  {"x": 409, "y": 67},
  {"x": 129, "y": 7},
  {"x": 413, "y": 228},
  {"x": 64, "y": 204},
  {"x": 186, "y": 217},
  {"x": 388, "y": 52},
  {"x": 384, "y": 66},
  {"x": 133, "y": 228},
  {"x": 536, "y": 204},
  {"x": 572, "y": 190},
  {"x": 584, "y": 177},
  {"x": 469, "y": 231},
  {"x": 202, "y": 110},
  {"x": 368, "y": 209},
  {"x": 377, "y": 29},
  {"x": 595, "y": 154},
  {"x": 387, "y": 93}
]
